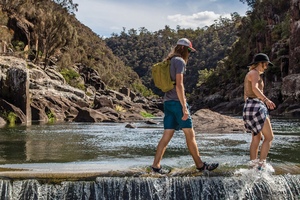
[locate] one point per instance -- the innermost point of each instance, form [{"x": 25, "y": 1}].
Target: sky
[{"x": 105, "y": 17}]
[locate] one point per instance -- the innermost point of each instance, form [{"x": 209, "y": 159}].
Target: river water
[
  {"x": 33, "y": 158},
  {"x": 110, "y": 146}
]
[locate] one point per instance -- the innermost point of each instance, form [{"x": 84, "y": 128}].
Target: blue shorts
[{"x": 173, "y": 114}]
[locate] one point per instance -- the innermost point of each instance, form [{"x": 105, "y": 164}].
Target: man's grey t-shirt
[{"x": 177, "y": 67}]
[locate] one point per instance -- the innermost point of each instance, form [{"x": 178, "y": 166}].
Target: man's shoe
[{"x": 160, "y": 170}]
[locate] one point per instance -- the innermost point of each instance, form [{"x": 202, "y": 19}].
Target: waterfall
[{"x": 239, "y": 187}]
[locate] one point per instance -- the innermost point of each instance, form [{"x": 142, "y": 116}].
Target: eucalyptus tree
[
  {"x": 54, "y": 31},
  {"x": 45, "y": 22},
  {"x": 68, "y": 4}
]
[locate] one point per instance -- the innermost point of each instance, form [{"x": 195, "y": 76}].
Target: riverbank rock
[
  {"x": 205, "y": 120},
  {"x": 14, "y": 88},
  {"x": 50, "y": 98},
  {"x": 290, "y": 91}
]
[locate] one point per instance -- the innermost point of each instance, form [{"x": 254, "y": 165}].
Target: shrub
[
  {"x": 69, "y": 74},
  {"x": 142, "y": 89},
  {"x": 204, "y": 75},
  {"x": 51, "y": 117},
  {"x": 146, "y": 115},
  {"x": 18, "y": 45},
  {"x": 72, "y": 78},
  {"x": 119, "y": 109},
  {"x": 11, "y": 118}
]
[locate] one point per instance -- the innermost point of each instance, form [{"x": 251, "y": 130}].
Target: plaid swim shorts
[{"x": 255, "y": 113}]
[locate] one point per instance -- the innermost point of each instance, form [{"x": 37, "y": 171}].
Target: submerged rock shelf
[{"x": 244, "y": 186}]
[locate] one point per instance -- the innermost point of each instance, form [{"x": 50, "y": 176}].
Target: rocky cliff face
[
  {"x": 290, "y": 91},
  {"x": 284, "y": 91},
  {"x": 34, "y": 94},
  {"x": 290, "y": 88},
  {"x": 294, "y": 58},
  {"x": 14, "y": 84}
]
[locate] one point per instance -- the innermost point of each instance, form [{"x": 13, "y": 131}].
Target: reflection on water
[{"x": 106, "y": 146}]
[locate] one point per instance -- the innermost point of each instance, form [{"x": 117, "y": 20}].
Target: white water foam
[{"x": 258, "y": 181}]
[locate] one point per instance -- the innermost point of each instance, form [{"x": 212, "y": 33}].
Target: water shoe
[
  {"x": 160, "y": 170},
  {"x": 208, "y": 167}
]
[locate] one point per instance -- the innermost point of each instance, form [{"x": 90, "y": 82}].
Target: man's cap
[
  {"x": 186, "y": 42},
  {"x": 261, "y": 57}
]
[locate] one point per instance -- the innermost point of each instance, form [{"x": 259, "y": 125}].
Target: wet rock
[
  {"x": 130, "y": 125},
  {"x": 89, "y": 115},
  {"x": 133, "y": 116},
  {"x": 151, "y": 122}
]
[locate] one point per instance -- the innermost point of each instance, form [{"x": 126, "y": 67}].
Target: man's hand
[
  {"x": 185, "y": 114},
  {"x": 270, "y": 104}
]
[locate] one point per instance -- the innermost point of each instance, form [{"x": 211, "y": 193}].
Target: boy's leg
[
  {"x": 254, "y": 146},
  {"x": 268, "y": 138}
]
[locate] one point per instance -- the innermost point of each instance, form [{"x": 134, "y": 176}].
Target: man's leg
[
  {"x": 192, "y": 146},
  {"x": 161, "y": 147}
]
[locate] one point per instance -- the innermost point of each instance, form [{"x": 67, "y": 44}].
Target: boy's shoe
[
  {"x": 261, "y": 165},
  {"x": 160, "y": 170},
  {"x": 208, "y": 167},
  {"x": 253, "y": 163}
]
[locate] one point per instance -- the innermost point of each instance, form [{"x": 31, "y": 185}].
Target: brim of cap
[
  {"x": 269, "y": 63},
  {"x": 193, "y": 50}
]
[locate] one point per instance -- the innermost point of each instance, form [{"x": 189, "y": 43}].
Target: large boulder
[
  {"x": 14, "y": 84},
  {"x": 291, "y": 86},
  {"x": 101, "y": 101},
  {"x": 89, "y": 115},
  {"x": 291, "y": 96},
  {"x": 207, "y": 121}
]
